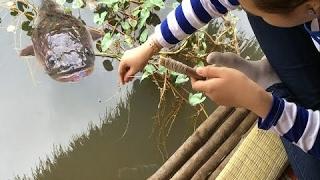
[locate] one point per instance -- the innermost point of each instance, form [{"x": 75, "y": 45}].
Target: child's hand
[
  {"x": 259, "y": 71},
  {"x": 230, "y": 87},
  {"x": 135, "y": 59}
]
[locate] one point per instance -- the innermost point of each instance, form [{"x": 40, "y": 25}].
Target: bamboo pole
[
  {"x": 204, "y": 153},
  {"x": 221, "y": 166},
  {"x": 216, "y": 173},
  {"x": 192, "y": 144},
  {"x": 225, "y": 148}
]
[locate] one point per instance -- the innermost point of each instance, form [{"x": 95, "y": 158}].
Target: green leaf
[
  {"x": 158, "y": 3},
  {"x": 61, "y": 2},
  {"x": 150, "y": 69},
  {"x": 29, "y": 15},
  {"x": 68, "y": 10},
  {"x": 181, "y": 79},
  {"x": 109, "y": 3},
  {"x": 153, "y": 4},
  {"x": 77, "y": 4},
  {"x": 136, "y": 12},
  {"x": 201, "y": 52},
  {"x": 107, "y": 65},
  {"x": 147, "y": 4},
  {"x": 29, "y": 33},
  {"x": 133, "y": 23},
  {"x": 143, "y": 36},
  {"x": 21, "y": 6},
  {"x": 195, "y": 99},
  {"x": 150, "y": 4},
  {"x": 106, "y": 41},
  {"x": 200, "y": 35},
  {"x": 99, "y": 18},
  {"x": 26, "y": 26},
  {"x": 125, "y": 25},
  {"x": 144, "y": 76},
  {"x": 162, "y": 70},
  {"x": 128, "y": 40},
  {"x": 14, "y": 13},
  {"x": 153, "y": 20},
  {"x": 115, "y": 7},
  {"x": 200, "y": 64},
  {"x": 204, "y": 45},
  {"x": 173, "y": 73},
  {"x": 144, "y": 14}
]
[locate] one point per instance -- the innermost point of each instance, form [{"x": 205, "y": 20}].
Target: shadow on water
[{"x": 124, "y": 146}]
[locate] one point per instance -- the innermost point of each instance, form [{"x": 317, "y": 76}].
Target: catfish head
[
  {"x": 62, "y": 44},
  {"x": 66, "y": 54}
]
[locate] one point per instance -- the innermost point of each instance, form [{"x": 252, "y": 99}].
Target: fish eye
[{"x": 51, "y": 62}]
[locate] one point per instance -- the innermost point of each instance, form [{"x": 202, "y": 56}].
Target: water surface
[{"x": 37, "y": 113}]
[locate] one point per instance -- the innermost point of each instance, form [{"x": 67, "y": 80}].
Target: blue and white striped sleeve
[
  {"x": 189, "y": 16},
  {"x": 296, "y": 124}
]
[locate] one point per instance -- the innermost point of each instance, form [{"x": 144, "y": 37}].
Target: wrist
[
  {"x": 153, "y": 44},
  {"x": 261, "y": 102}
]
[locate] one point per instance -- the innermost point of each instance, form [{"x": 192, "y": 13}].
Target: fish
[{"x": 62, "y": 44}]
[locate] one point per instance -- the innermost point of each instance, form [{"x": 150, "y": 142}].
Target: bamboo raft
[{"x": 228, "y": 145}]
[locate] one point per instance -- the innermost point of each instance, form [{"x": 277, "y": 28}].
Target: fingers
[
  {"x": 129, "y": 75},
  {"x": 210, "y": 71},
  {"x": 227, "y": 59},
  {"x": 123, "y": 68},
  {"x": 214, "y": 75},
  {"x": 126, "y": 73},
  {"x": 214, "y": 57},
  {"x": 205, "y": 86}
]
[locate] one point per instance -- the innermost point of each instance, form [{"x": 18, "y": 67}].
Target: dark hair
[{"x": 278, "y": 6}]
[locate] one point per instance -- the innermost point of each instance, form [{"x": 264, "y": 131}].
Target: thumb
[{"x": 210, "y": 71}]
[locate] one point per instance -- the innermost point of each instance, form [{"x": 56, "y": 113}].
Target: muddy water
[{"x": 37, "y": 115}]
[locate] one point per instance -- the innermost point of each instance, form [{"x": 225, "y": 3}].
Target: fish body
[{"x": 62, "y": 44}]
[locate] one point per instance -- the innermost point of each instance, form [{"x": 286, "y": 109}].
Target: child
[
  {"x": 296, "y": 124},
  {"x": 193, "y": 14}
]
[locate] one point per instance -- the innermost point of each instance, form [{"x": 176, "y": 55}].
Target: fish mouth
[{"x": 75, "y": 76}]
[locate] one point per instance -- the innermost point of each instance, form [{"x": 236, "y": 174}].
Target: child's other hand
[
  {"x": 230, "y": 87},
  {"x": 259, "y": 71},
  {"x": 225, "y": 86}
]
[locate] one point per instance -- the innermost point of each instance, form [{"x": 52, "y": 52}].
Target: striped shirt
[
  {"x": 298, "y": 125},
  {"x": 189, "y": 16},
  {"x": 314, "y": 31}
]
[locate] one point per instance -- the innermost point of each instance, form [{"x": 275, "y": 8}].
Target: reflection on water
[
  {"x": 124, "y": 148},
  {"x": 37, "y": 112}
]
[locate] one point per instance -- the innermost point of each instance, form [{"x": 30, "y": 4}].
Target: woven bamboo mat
[{"x": 260, "y": 156}]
